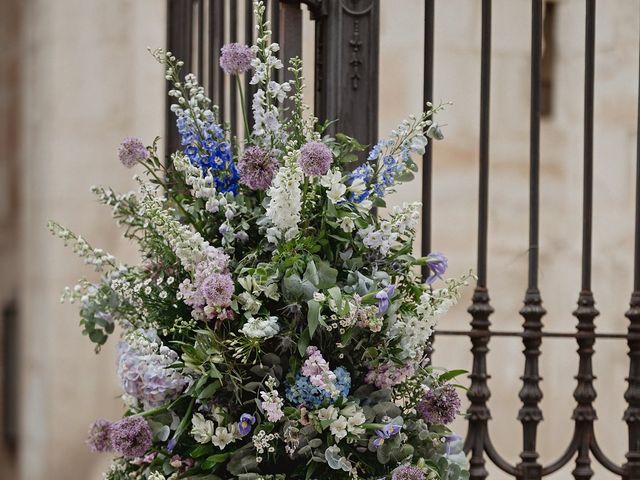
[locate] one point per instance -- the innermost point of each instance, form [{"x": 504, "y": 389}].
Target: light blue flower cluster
[
  {"x": 303, "y": 392},
  {"x": 378, "y": 182},
  {"x": 204, "y": 145}
]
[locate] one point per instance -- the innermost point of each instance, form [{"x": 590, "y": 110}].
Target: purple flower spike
[
  {"x": 245, "y": 424},
  {"x": 383, "y": 297},
  {"x": 437, "y": 264},
  {"x": 235, "y": 58},
  {"x": 99, "y": 439},
  {"x": 315, "y": 159}
]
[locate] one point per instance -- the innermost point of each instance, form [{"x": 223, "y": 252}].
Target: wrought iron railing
[{"x": 346, "y": 87}]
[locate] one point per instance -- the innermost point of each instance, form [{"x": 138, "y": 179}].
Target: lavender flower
[
  {"x": 217, "y": 289},
  {"x": 448, "y": 440},
  {"x": 235, "y": 58},
  {"x": 437, "y": 264},
  {"x": 439, "y": 405},
  {"x": 132, "y": 151},
  {"x": 383, "y": 297},
  {"x": 99, "y": 439},
  {"x": 246, "y": 422},
  {"x": 131, "y": 436},
  {"x": 315, "y": 159},
  {"x": 257, "y": 168},
  {"x": 385, "y": 433},
  {"x": 407, "y": 472}
]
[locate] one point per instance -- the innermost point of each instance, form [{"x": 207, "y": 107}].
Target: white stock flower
[{"x": 285, "y": 197}]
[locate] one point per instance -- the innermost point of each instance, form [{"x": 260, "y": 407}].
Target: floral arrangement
[{"x": 276, "y": 327}]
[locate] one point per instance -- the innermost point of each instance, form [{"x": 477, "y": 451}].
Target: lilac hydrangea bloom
[
  {"x": 131, "y": 436},
  {"x": 246, "y": 423},
  {"x": 389, "y": 375},
  {"x": 315, "y": 159},
  {"x": 235, "y": 58},
  {"x": 439, "y": 405},
  {"x": 145, "y": 372},
  {"x": 407, "y": 472},
  {"x": 99, "y": 439},
  {"x": 437, "y": 264},
  {"x": 257, "y": 168},
  {"x": 132, "y": 151}
]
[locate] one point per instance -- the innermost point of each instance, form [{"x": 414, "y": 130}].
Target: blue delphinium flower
[
  {"x": 437, "y": 264},
  {"x": 203, "y": 143}
]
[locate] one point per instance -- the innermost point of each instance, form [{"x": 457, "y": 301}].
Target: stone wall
[{"x": 87, "y": 81}]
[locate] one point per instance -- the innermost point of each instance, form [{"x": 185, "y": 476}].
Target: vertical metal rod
[
  {"x": 585, "y": 393},
  {"x": 248, "y": 34},
  {"x": 532, "y": 311},
  {"x": 233, "y": 91},
  {"x": 216, "y": 26},
  {"x": 428, "y": 154},
  {"x": 480, "y": 309},
  {"x": 200, "y": 46},
  {"x": 632, "y": 394}
]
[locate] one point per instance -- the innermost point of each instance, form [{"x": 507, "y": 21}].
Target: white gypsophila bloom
[
  {"x": 202, "y": 430},
  {"x": 285, "y": 200},
  {"x": 261, "y": 327}
]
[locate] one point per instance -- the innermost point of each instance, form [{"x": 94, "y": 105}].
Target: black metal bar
[
  {"x": 233, "y": 91},
  {"x": 248, "y": 38},
  {"x": 216, "y": 24},
  {"x": 480, "y": 309},
  {"x": 530, "y": 414},
  {"x": 632, "y": 394},
  {"x": 179, "y": 28},
  {"x": 428, "y": 153},
  {"x": 275, "y": 30},
  {"x": 584, "y": 414},
  {"x": 200, "y": 33},
  {"x": 543, "y": 334}
]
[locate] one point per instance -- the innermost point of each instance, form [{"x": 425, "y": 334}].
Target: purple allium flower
[
  {"x": 235, "y": 58},
  {"x": 217, "y": 289},
  {"x": 257, "y": 168},
  {"x": 407, "y": 472},
  {"x": 99, "y": 439},
  {"x": 437, "y": 264},
  {"x": 315, "y": 159},
  {"x": 132, "y": 151},
  {"x": 246, "y": 422},
  {"x": 131, "y": 436},
  {"x": 383, "y": 298},
  {"x": 439, "y": 405}
]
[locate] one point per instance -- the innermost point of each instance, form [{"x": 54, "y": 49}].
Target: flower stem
[{"x": 242, "y": 105}]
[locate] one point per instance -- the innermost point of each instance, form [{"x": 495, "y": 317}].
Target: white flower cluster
[
  {"x": 415, "y": 330},
  {"x": 263, "y": 442},
  {"x": 91, "y": 256},
  {"x": 205, "y": 431},
  {"x": 348, "y": 420},
  {"x": 261, "y": 327},
  {"x": 267, "y": 127},
  {"x": 188, "y": 245},
  {"x": 202, "y": 185},
  {"x": 285, "y": 200},
  {"x": 395, "y": 231}
]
